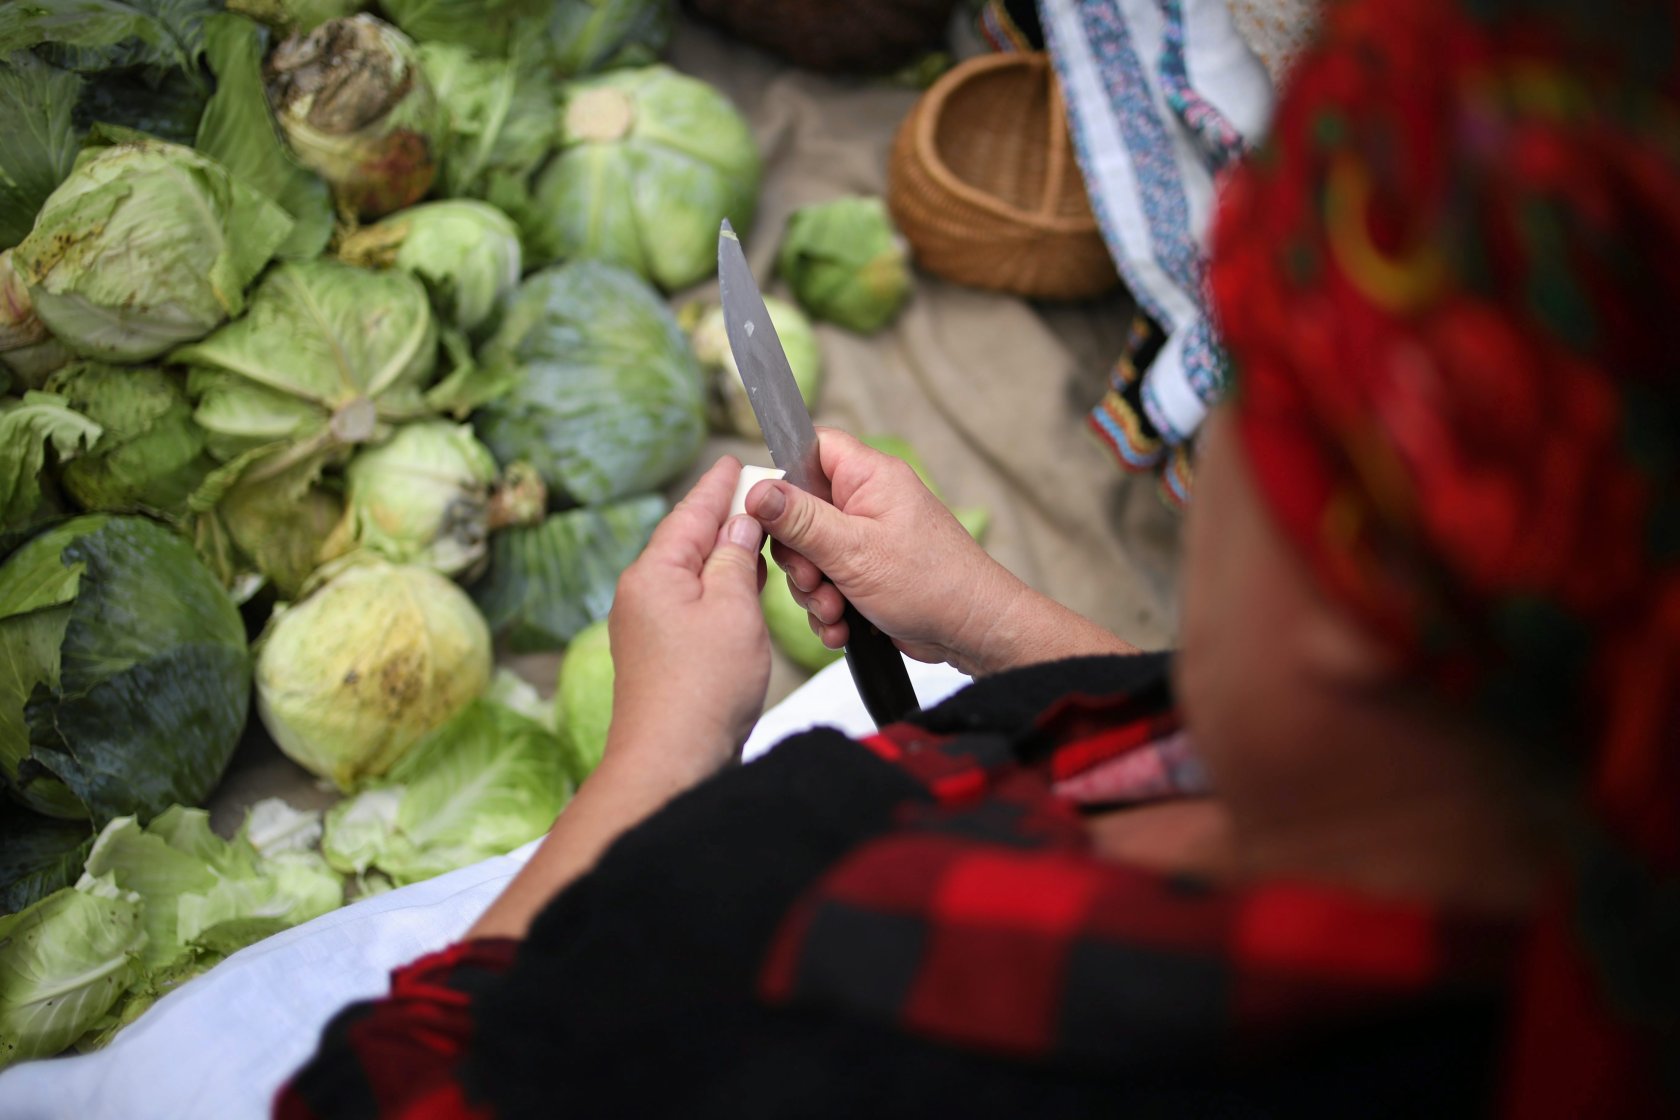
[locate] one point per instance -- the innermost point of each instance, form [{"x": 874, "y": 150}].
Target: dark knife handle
[{"x": 878, "y": 671}]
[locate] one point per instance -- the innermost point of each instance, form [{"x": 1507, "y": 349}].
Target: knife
[{"x": 876, "y": 665}]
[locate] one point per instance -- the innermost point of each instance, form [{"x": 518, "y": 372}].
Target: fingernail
[
  {"x": 771, "y": 504},
  {"x": 744, "y": 531}
]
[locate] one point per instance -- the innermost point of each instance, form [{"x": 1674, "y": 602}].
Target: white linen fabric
[{"x": 1161, "y": 94}]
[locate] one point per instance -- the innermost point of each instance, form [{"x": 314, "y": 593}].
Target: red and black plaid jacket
[{"x": 918, "y": 926}]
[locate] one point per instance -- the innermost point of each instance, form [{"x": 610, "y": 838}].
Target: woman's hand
[
  {"x": 691, "y": 663},
  {"x": 691, "y": 656},
  {"x": 890, "y": 547},
  {"x": 894, "y": 550}
]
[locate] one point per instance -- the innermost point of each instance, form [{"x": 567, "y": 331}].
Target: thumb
[
  {"x": 733, "y": 563},
  {"x": 808, "y": 525}
]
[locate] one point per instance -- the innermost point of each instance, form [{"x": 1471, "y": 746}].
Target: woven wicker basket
[
  {"x": 868, "y": 36},
  {"x": 984, "y": 184}
]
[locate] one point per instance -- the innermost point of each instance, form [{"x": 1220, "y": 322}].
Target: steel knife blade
[{"x": 877, "y": 667}]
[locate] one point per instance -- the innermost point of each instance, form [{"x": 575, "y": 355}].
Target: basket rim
[{"x": 927, "y": 152}]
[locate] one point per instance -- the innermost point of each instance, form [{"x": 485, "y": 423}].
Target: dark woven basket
[{"x": 842, "y": 36}]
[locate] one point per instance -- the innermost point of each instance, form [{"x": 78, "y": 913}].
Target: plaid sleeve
[
  {"x": 402, "y": 1055},
  {"x": 1045, "y": 953}
]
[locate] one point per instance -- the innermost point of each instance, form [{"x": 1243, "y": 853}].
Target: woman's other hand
[
  {"x": 691, "y": 655},
  {"x": 891, "y": 547}
]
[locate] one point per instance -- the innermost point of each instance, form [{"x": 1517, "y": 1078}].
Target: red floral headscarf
[{"x": 1450, "y": 289}]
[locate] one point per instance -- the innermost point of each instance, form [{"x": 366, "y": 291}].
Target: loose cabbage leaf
[
  {"x": 38, "y": 140},
  {"x": 547, "y": 582},
  {"x": 589, "y": 35},
  {"x": 515, "y": 693},
  {"x": 484, "y": 783},
  {"x": 150, "y": 457},
  {"x": 38, "y": 855},
  {"x": 144, "y": 103},
  {"x": 205, "y": 896},
  {"x": 102, "y": 34},
  {"x": 64, "y": 962},
  {"x": 272, "y": 827},
  {"x": 610, "y": 403},
  {"x": 147, "y": 864},
  {"x": 326, "y": 355},
  {"x": 501, "y": 124},
  {"x": 202, "y": 898},
  {"x": 359, "y": 829},
  {"x": 27, "y": 428},
  {"x": 287, "y": 889},
  {"x": 238, "y": 130},
  {"x": 487, "y": 27}
]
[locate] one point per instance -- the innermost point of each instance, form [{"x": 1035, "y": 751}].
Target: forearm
[
  {"x": 1026, "y": 628},
  {"x": 621, "y": 793}
]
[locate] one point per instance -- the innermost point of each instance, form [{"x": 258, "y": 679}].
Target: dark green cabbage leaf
[
  {"x": 238, "y": 131},
  {"x": 38, "y": 139},
  {"x": 547, "y": 582},
  {"x": 38, "y": 855},
  {"x": 124, "y": 673}
]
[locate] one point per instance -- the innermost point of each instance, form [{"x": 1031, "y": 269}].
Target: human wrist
[
  {"x": 986, "y": 640},
  {"x": 1029, "y": 627},
  {"x": 663, "y": 748}
]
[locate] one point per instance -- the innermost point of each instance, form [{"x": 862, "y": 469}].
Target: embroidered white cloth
[{"x": 1161, "y": 94}]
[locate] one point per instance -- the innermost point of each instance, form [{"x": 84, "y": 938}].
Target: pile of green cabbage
[{"x": 334, "y": 359}]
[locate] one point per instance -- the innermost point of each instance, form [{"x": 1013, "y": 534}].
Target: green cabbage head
[
  {"x": 145, "y": 246},
  {"x": 355, "y": 674},
  {"x": 651, "y": 163},
  {"x": 846, "y": 262},
  {"x": 423, "y": 496},
  {"x": 124, "y": 674},
  {"x": 607, "y": 401},
  {"x": 329, "y": 356},
  {"x": 585, "y": 36},
  {"x": 485, "y": 27},
  {"x": 356, "y": 108},
  {"x": 565, "y": 38}
]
